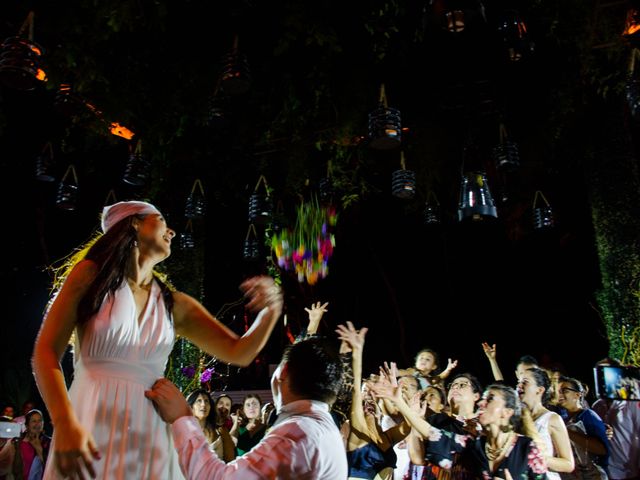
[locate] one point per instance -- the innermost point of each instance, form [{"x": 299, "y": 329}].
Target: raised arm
[
  {"x": 451, "y": 365},
  {"x": 194, "y": 322},
  {"x": 355, "y": 339},
  {"x": 315, "y": 313},
  {"x": 72, "y": 440},
  {"x": 490, "y": 352}
]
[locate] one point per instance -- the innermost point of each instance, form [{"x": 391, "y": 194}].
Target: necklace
[{"x": 494, "y": 453}]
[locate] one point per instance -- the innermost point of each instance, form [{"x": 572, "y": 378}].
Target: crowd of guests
[
  {"x": 414, "y": 423},
  {"x": 420, "y": 422}
]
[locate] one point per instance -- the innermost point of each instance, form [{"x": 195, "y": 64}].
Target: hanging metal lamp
[
  {"x": 260, "y": 203},
  {"x": 44, "y": 164},
  {"x": 67, "y": 196},
  {"x": 403, "y": 181},
  {"x": 431, "y": 214},
  {"x": 514, "y": 36},
  {"x": 506, "y": 154},
  {"x": 542, "y": 213},
  {"x": 235, "y": 78},
  {"x": 385, "y": 125},
  {"x": 138, "y": 168},
  {"x": 196, "y": 204},
  {"x": 20, "y": 60},
  {"x": 186, "y": 239},
  {"x": 476, "y": 201},
  {"x": 251, "y": 248}
]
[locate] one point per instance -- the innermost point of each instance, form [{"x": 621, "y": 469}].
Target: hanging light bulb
[{"x": 476, "y": 201}]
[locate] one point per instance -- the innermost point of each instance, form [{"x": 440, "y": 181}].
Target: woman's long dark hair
[
  {"x": 111, "y": 253},
  {"x": 210, "y": 421}
]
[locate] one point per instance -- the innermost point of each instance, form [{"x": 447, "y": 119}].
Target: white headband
[{"x": 112, "y": 214}]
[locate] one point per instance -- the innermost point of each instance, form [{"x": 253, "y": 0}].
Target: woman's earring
[{"x": 135, "y": 243}]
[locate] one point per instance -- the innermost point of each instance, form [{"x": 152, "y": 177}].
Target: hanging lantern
[
  {"x": 68, "y": 103},
  {"x": 236, "y": 77},
  {"x": 403, "y": 181},
  {"x": 196, "y": 205},
  {"x": 454, "y": 16},
  {"x": 68, "y": 190},
  {"x": 138, "y": 167},
  {"x": 279, "y": 220},
  {"x": 44, "y": 164},
  {"x": 251, "y": 249},
  {"x": 385, "y": 125},
  {"x": 542, "y": 214},
  {"x": 216, "y": 111},
  {"x": 260, "y": 204},
  {"x": 186, "y": 240},
  {"x": 431, "y": 213},
  {"x": 632, "y": 86},
  {"x": 632, "y": 26},
  {"x": 506, "y": 154},
  {"x": 476, "y": 201},
  {"x": 514, "y": 35},
  {"x": 20, "y": 60},
  {"x": 110, "y": 199}
]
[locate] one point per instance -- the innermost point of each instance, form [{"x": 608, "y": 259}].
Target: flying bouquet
[{"x": 307, "y": 248}]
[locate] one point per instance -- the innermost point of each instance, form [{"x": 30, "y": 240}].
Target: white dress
[{"x": 119, "y": 358}]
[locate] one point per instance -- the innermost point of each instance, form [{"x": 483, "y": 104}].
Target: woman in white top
[
  {"x": 534, "y": 390},
  {"x": 218, "y": 437}
]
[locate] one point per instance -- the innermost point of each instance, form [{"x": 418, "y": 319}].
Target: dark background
[{"x": 447, "y": 287}]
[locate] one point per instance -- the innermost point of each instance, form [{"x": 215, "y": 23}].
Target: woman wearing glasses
[
  {"x": 463, "y": 394},
  {"x": 506, "y": 450},
  {"x": 587, "y": 433}
]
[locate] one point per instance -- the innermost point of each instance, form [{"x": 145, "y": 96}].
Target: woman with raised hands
[
  {"x": 506, "y": 448},
  {"x": 370, "y": 453}
]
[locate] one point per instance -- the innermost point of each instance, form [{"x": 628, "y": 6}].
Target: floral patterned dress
[{"x": 523, "y": 458}]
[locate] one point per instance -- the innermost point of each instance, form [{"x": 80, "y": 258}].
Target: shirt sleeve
[{"x": 266, "y": 460}]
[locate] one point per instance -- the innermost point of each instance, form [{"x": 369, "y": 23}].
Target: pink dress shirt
[{"x": 304, "y": 443}]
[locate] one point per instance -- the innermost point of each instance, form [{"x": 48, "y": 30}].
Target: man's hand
[{"x": 169, "y": 401}]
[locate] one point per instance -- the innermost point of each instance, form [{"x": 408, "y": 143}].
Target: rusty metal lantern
[
  {"x": 454, "y": 16},
  {"x": 67, "y": 195},
  {"x": 385, "y": 125},
  {"x": 631, "y": 31},
  {"x": 20, "y": 59}
]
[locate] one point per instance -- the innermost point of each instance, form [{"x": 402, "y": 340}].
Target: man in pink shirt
[{"x": 304, "y": 442}]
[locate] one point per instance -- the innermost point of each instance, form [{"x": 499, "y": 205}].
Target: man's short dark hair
[
  {"x": 314, "y": 369},
  {"x": 527, "y": 360}
]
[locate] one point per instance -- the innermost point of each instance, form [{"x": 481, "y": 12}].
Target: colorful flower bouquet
[{"x": 307, "y": 248}]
